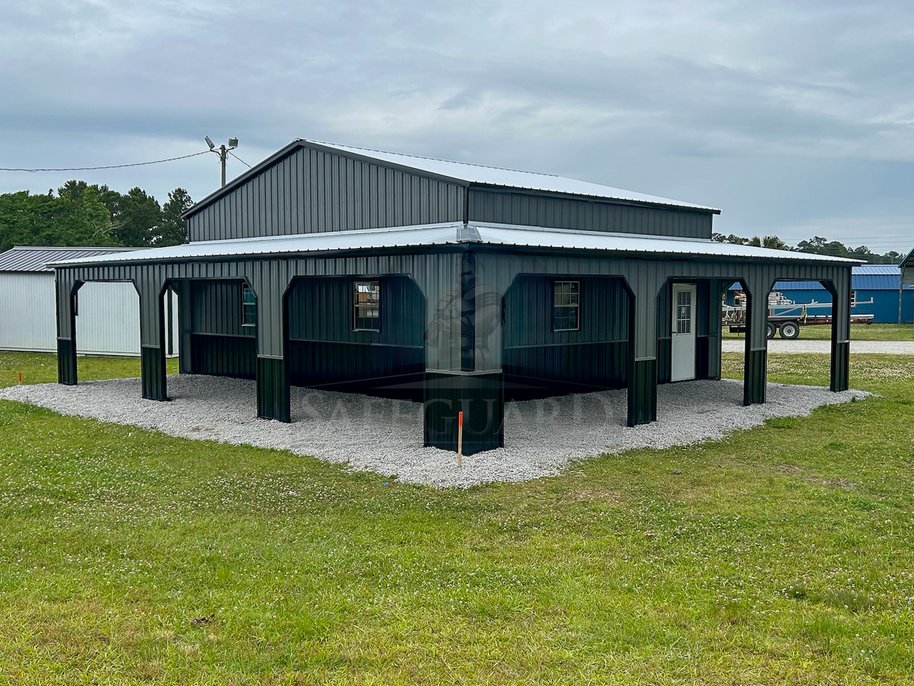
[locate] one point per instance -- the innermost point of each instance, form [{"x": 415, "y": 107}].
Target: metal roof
[
  {"x": 864, "y": 277},
  {"x": 463, "y": 172},
  {"x": 453, "y": 233},
  {"x": 29, "y": 258},
  {"x": 907, "y": 268},
  {"x": 877, "y": 270},
  {"x": 507, "y": 178}
]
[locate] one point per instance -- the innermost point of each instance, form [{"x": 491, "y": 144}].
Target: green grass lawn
[
  {"x": 784, "y": 554},
  {"x": 38, "y": 368},
  {"x": 859, "y": 332}
]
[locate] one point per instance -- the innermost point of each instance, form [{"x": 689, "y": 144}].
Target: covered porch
[{"x": 460, "y": 316}]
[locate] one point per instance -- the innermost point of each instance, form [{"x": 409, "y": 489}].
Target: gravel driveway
[
  {"x": 385, "y": 436},
  {"x": 778, "y": 345}
]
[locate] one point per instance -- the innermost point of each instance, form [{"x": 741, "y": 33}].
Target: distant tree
[
  {"x": 172, "y": 230},
  {"x": 768, "y": 242},
  {"x": 82, "y": 217},
  {"x": 76, "y": 217},
  {"x": 137, "y": 219},
  {"x": 731, "y": 238}
]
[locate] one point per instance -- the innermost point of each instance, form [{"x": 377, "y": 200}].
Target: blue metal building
[{"x": 876, "y": 290}]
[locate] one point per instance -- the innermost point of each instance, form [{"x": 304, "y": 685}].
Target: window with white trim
[
  {"x": 684, "y": 312},
  {"x": 566, "y": 305},
  {"x": 248, "y": 306},
  {"x": 366, "y": 306}
]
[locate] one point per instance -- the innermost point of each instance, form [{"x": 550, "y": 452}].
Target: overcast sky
[{"x": 796, "y": 119}]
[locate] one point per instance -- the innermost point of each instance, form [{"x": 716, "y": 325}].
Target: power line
[
  {"x": 106, "y": 166},
  {"x": 240, "y": 160}
]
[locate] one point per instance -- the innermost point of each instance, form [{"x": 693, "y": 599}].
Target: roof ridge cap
[{"x": 344, "y": 146}]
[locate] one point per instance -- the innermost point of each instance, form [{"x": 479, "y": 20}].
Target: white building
[{"x": 108, "y": 315}]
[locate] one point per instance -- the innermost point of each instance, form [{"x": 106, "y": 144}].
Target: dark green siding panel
[
  {"x": 755, "y": 377},
  {"x": 66, "y": 361},
  {"x": 703, "y": 309},
  {"x": 601, "y": 365},
  {"x": 324, "y": 349},
  {"x": 233, "y": 356},
  {"x": 702, "y": 348},
  {"x": 664, "y": 360},
  {"x": 479, "y": 396},
  {"x": 152, "y": 369},
  {"x": 272, "y": 389},
  {"x": 665, "y": 312},
  {"x": 531, "y": 209},
  {"x": 840, "y": 358},
  {"x": 317, "y": 363},
  {"x": 642, "y": 392},
  {"x": 216, "y": 308},
  {"x": 320, "y": 309},
  {"x": 596, "y": 355},
  {"x": 528, "y": 312}
]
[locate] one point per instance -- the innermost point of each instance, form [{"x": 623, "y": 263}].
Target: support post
[
  {"x": 479, "y": 395},
  {"x": 185, "y": 328},
  {"x": 66, "y": 293},
  {"x": 644, "y": 286},
  {"x": 473, "y": 381},
  {"x": 755, "y": 371},
  {"x": 152, "y": 341},
  {"x": 839, "y": 379},
  {"x": 716, "y": 288},
  {"x": 273, "y": 388}
]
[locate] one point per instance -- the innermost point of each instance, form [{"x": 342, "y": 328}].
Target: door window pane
[{"x": 684, "y": 312}]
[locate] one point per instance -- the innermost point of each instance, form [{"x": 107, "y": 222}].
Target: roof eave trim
[{"x": 689, "y": 207}]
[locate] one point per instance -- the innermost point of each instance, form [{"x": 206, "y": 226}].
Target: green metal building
[{"x": 455, "y": 284}]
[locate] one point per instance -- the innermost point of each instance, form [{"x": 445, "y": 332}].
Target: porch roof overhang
[
  {"x": 455, "y": 234},
  {"x": 907, "y": 269}
]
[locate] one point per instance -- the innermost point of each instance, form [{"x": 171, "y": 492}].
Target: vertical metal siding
[
  {"x": 438, "y": 277},
  {"x": 529, "y": 209},
  {"x": 436, "y": 274},
  {"x": 27, "y": 312},
  {"x": 312, "y": 191},
  {"x": 108, "y": 321}
]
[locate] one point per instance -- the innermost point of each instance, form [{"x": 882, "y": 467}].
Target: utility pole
[{"x": 222, "y": 151}]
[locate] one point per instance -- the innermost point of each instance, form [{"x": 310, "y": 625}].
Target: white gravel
[
  {"x": 796, "y": 346},
  {"x": 385, "y": 436}
]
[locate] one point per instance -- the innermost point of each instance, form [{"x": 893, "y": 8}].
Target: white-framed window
[
  {"x": 248, "y": 306},
  {"x": 366, "y": 305},
  {"x": 684, "y": 312},
  {"x": 566, "y": 305},
  {"x": 853, "y": 298}
]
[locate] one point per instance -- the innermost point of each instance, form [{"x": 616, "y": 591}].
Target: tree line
[
  {"x": 816, "y": 245},
  {"x": 79, "y": 214}
]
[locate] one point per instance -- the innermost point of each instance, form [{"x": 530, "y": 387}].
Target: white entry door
[{"x": 683, "y": 353}]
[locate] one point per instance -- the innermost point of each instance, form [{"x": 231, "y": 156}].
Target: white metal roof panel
[
  {"x": 34, "y": 259},
  {"x": 500, "y": 234},
  {"x": 907, "y": 268},
  {"x": 450, "y": 234},
  {"x": 329, "y": 241},
  {"x": 509, "y": 178}
]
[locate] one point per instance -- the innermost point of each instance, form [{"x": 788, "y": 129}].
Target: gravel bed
[
  {"x": 777, "y": 345},
  {"x": 385, "y": 436}
]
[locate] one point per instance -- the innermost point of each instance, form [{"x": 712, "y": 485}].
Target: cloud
[{"x": 779, "y": 113}]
